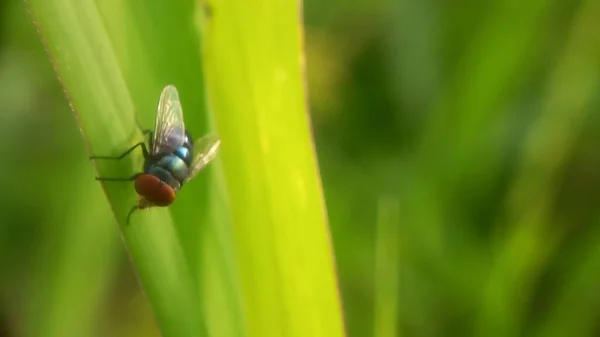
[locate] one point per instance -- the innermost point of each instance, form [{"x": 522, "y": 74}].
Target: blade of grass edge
[{"x": 80, "y": 51}]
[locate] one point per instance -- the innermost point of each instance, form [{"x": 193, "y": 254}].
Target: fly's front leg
[
  {"x": 133, "y": 209},
  {"x": 132, "y": 178},
  {"x": 142, "y": 144},
  {"x": 144, "y": 151},
  {"x": 145, "y": 132},
  {"x": 149, "y": 132},
  {"x": 150, "y": 138}
]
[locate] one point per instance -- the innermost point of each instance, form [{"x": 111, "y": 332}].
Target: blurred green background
[{"x": 458, "y": 146}]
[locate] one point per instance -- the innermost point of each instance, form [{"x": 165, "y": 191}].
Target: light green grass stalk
[{"x": 254, "y": 63}]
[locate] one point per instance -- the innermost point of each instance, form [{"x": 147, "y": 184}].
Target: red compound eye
[{"x": 154, "y": 190}]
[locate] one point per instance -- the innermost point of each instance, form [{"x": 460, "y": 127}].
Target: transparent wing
[
  {"x": 205, "y": 150},
  {"x": 169, "y": 132}
]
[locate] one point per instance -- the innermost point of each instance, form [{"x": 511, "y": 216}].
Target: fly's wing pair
[
  {"x": 169, "y": 130},
  {"x": 205, "y": 150},
  {"x": 169, "y": 133}
]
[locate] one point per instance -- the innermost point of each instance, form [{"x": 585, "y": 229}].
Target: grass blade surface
[
  {"x": 253, "y": 57},
  {"x": 77, "y": 264}
]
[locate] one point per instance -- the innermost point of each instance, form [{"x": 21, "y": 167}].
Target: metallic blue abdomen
[
  {"x": 175, "y": 165},
  {"x": 164, "y": 176},
  {"x": 172, "y": 168}
]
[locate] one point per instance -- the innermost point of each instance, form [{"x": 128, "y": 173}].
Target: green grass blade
[
  {"x": 76, "y": 265},
  {"x": 573, "y": 310},
  {"x": 387, "y": 259},
  {"x": 253, "y": 58},
  {"x": 571, "y": 91},
  {"x": 145, "y": 35},
  {"x": 84, "y": 58},
  {"x": 222, "y": 289}
]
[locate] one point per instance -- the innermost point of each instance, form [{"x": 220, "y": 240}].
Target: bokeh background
[{"x": 459, "y": 150}]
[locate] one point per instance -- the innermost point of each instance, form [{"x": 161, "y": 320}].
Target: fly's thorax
[
  {"x": 151, "y": 160},
  {"x": 188, "y": 141},
  {"x": 184, "y": 154}
]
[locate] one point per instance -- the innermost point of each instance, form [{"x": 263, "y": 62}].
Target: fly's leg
[
  {"x": 144, "y": 151},
  {"x": 132, "y": 178},
  {"x": 137, "y": 121},
  {"x": 142, "y": 204},
  {"x": 150, "y": 138},
  {"x": 145, "y": 132},
  {"x": 149, "y": 132},
  {"x": 135, "y": 207},
  {"x": 142, "y": 144}
]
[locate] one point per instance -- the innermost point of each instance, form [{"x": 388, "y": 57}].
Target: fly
[{"x": 173, "y": 160}]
